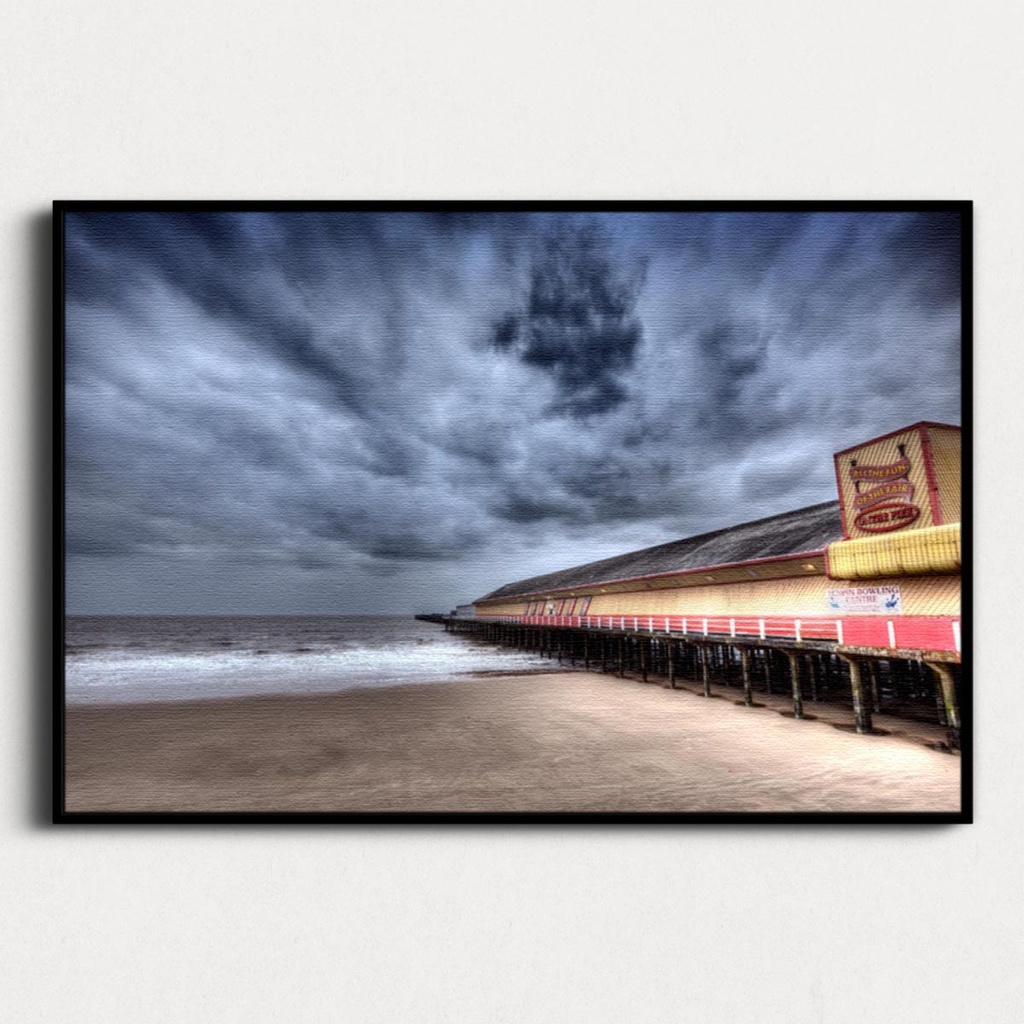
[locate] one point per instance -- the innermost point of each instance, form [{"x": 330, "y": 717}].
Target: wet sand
[{"x": 567, "y": 741}]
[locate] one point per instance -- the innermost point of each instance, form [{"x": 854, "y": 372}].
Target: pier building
[{"x": 854, "y": 599}]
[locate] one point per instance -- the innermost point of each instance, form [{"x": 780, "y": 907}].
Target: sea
[{"x": 139, "y": 659}]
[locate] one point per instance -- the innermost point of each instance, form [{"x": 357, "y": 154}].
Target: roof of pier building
[{"x": 801, "y": 531}]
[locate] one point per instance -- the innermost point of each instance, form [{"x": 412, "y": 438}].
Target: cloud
[
  {"x": 577, "y": 320},
  {"x": 372, "y": 412},
  {"x": 926, "y": 247}
]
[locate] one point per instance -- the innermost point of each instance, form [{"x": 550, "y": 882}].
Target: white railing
[{"x": 907, "y": 633}]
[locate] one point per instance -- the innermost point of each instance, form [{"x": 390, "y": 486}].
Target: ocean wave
[{"x": 124, "y": 673}]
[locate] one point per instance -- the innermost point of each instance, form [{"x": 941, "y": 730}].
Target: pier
[
  {"x": 911, "y": 684},
  {"x": 853, "y": 603}
]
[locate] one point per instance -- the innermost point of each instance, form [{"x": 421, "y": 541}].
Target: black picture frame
[{"x": 61, "y": 209}]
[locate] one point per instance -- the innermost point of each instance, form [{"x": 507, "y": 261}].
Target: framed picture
[{"x": 550, "y": 511}]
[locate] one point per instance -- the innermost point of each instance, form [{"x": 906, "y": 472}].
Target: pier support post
[
  {"x": 940, "y": 705},
  {"x": 767, "y": 655},
  {"x": 748, "y": 697},
  {"x": 622, "y": 657},
  {"x": 872, "y": 670},
  {"x": 670, "y": 654},
  {"x": 705, "y": 671},
  {"x": 645, "y": 659},
  {"x": 798, "y": 697},
  {"x": 812, "y": 677},
  {"x": 947, "y": 687},
  {"x": 861, "y": 706}
]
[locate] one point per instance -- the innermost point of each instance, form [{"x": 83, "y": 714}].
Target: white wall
[{"x": 458, "y": 99}]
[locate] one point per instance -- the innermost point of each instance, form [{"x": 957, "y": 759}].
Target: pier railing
[{"x": 904, "y": 632}]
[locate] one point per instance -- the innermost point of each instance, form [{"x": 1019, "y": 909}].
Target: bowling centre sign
[{"x": 883, "y": 600}]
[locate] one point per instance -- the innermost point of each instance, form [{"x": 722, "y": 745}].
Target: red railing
[{"x": 902, "y": 632}]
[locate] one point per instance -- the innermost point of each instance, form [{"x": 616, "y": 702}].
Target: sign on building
[
  {"x": 883, "y": 600},
  {"x": 907, "y": 479}
]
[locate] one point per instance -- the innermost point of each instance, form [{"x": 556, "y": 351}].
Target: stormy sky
[{"x": 360, "y": 412}]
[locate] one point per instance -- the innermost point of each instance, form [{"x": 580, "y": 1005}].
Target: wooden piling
[
  {"x": 794, "y": 672},
  {"x": 861, "y": 707},
  {"x": 940, "y": 706},
  {"x": 748, "y": 697},
  {"x": 871, "y": 670},
  {"x": 947, "y": 687}
]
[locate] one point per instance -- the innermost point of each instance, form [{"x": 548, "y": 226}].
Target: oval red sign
[{"x": 892, "y": 516}]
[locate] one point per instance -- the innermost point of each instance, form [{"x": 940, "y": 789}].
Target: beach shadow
[{"x": 850, "y": 727}]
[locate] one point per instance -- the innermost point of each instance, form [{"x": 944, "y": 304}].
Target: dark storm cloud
[
  {"x": 927, "y": 247},
  {"x": 221, "y": 268},
  {"x": 577, "y": 320},
  {"x": 366, "y": 412},
  {"x": 733, "y": 353},
  {"x": 753, "y": 242}
]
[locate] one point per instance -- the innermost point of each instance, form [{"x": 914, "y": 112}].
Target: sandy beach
[{"x": 566, "y": 741}]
